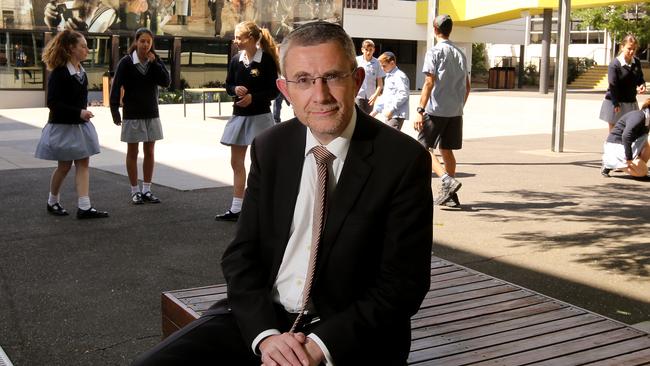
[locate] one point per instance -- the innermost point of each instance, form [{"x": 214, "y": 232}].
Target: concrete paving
[{"x": 80, "y": 293}]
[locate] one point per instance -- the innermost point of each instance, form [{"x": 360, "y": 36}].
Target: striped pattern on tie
[
  {"x": 323, "y": 159},
  {"x": 142, "y": 67}
]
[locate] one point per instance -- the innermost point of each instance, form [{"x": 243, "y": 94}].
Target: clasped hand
[
  {"x": 86, "y": 115},
  {"x": 290, "y": 349}
]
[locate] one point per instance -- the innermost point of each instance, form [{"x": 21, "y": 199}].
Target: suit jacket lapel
[
  {"x": 353, "y": 178},
  {"x": 287, "y": 183}
]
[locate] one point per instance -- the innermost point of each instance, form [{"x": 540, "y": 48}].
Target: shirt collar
[
  {"x": 73, "y": 70},
  {"x": 621, "y": 59},
  {"x": 257, "y": 58},
  {"x": 136, "y": 60},
  {"x": 340, "y": 145}
]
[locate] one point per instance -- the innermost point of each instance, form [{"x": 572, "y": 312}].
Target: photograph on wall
[{"x": 197, "y": 18}]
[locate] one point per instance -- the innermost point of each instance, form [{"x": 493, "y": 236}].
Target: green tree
[
  {"x": 618, "y": 20},
  {"x": 479, "y": 63}
]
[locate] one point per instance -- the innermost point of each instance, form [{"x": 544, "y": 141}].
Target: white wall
[
  {"x": 394, "y": 19},
  {"x": 598, "y": 52},
  {"x": 22, "y": 98}
]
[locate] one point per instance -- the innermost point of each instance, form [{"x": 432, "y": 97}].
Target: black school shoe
[
  {"x": 57, "y": 210},
  {"x": 150, "y": 198},
  {"x": 91, "y": 213},
  {"x": 227, "y": 216}
]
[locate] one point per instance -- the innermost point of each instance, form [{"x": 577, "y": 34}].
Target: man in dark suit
[{"x": 373, "y": 261}]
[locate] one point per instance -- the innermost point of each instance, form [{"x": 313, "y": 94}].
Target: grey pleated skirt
[
  {"x": 141, "y": 130},
  {"x": 608, "y": 115},
  {"x": 241, "y": 130},
  {"x": 614, "y": 154},
  {"x": 66, "y": 142}
]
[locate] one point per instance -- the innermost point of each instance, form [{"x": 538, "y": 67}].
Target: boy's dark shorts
[{"x": 442, "y": 132}]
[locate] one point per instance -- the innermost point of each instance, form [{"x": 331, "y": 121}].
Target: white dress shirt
[{"x": 292, "y": 274}]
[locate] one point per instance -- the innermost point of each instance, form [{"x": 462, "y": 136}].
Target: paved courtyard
[{"x": 80, "y": 293}]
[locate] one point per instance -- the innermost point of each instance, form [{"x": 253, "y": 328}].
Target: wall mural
[{"x": 199, "y": 18}]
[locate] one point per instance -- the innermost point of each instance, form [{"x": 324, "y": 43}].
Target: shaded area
[
  {"x": 615, "y": 219},
  {"x": 88, "y": 292}
]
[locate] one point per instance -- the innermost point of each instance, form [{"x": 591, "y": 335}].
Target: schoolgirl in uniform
[
  {"x": 251, "y": 80},
  {"x": 69, "y": 136},
  {"x": 139, "y": 74}
]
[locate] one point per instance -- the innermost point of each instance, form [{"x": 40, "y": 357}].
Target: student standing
[
  {"x": 251, "y": 80},
  {"x": 372, "y": 83},
  {"x": 439, "y": 120},
  {"x": 625, "y": 78},
  {"x": 69, "y": 136},
  {"x": 139, "y": 74},
  {"x": 394, "y": 101}
]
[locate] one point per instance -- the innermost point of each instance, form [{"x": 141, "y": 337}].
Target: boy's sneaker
[
  {"x": 605, "y": 172},
  {"x": 136, "y": 198},
  {"x": 453, "y": 201},
  {"x": 148, "y": 197},
  {"x": 447, "y": 189}
]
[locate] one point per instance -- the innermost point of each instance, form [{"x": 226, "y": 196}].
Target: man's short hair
[
  {"x": 315, "y": 33},
  {"x": 387, "y": 57},
  {"x": 367, "y": 42},
  {"x": 443, "y": 24}
]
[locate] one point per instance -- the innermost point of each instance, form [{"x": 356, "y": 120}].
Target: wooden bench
[
  {"x": 203, "y": 92},
  {"x": 469, "y": 318}
]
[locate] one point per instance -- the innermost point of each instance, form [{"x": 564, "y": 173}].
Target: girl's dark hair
[
  {"x": 138, "y": 34},
  {"x": 57, "y": 51}
]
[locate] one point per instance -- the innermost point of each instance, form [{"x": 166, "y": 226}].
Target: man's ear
[
  {"x": 359, "y": 74},
  {"x": 282, "y": 87}
]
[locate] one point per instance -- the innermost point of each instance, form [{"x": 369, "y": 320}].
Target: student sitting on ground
[{"x": 627, "y": 145}]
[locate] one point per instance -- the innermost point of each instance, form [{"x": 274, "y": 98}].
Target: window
[
  {"x": 362, "y": 4},
  {"x": 204, "y": 62},
  {"x": 20, "y": 61}
]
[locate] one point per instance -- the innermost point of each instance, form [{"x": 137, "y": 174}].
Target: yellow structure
[{"x": 476, "y": 13}]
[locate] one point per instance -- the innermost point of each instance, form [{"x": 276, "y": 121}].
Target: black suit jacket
[{"x": 374, "y": 260}]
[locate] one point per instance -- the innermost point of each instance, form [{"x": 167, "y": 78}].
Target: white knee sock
[
  {"x": 84, "y": 203},
  {"x": 236, "y": 204},
  {"x": 52, "y": 199},
  {"x": 146, "y": 187}
]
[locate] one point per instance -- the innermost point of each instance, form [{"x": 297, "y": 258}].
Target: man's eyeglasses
[{"x": 333, "y": 80}]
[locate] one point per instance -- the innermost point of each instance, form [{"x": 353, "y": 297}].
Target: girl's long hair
[
  {"x": 263, "y": 37},
  {"x": 57, "y": 51}
]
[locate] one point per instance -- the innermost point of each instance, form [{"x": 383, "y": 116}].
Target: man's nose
[{"x": 320, "y": 90}]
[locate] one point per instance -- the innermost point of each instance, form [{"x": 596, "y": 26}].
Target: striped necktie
[{"x": 323, "y": 159}]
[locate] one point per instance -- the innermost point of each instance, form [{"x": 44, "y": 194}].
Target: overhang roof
[{"x": 476, "y": 13}]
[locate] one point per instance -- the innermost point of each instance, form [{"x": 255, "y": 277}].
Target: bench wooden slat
[
  {"x": 598, "y": 354},
  {"x": 488, "y": 334},
  {"x": 441, "y": 347},
  {"x": 471, "y": 318},
  {"x": 463, "y": 288},
  {"x": 468, "y": 295},
  {"x": 483, "y": 298},
  {"x": 549, "y": 354},
  {"x": 473, "y": 313},
  {"x": 432, "y": 326},
  {"x": 635, "y": 358},
  {"x": 508, "y": 353}
]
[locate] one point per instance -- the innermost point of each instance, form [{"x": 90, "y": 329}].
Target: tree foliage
[{"x": 618, "y": 20}]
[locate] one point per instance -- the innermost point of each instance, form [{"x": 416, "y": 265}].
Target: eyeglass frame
[{"x": 324, "y": 78}]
